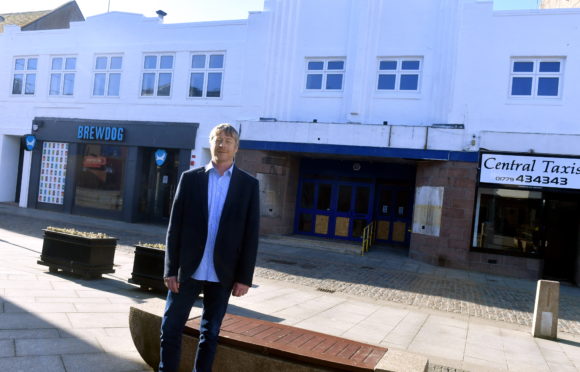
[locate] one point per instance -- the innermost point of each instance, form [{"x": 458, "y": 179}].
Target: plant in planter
[
  {"x": 85, "y": 253},
  {"x": 148, "y": 266}
]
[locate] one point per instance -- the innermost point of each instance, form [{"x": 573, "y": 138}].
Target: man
[{"x": 212, "y": 242}]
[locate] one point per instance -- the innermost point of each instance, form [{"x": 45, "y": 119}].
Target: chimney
[{"x": 161, "y": 14}]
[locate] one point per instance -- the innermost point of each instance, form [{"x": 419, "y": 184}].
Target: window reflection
[
  {"x": 100, "y": 180},
  {"x": 509, "y": 220}
]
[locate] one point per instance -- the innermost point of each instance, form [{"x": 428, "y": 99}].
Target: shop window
[
  {"x": 24, "y": 78},
  {"x": 62, "y": 76},
  {"x": 536, "y": 77},
  {"x": 107, "y": 76},
  {"x": 324, "y": 74},
  {"x": 157, "y": 75},
  {"x": 508, "y": 221},
  {"x": 206, "y": 75},
  {"x": 100, "y": 180},
  {"x": 399, "y": 74}
]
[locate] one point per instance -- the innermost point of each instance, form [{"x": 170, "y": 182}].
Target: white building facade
[{"x": 448, "y": 126}]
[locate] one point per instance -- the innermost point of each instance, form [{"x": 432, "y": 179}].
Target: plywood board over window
[
  {"x": 399, "y": 231},
  {"x": 383, "y": 230},
  {"x": 321, "y": 226},
  {"x": 427, "y": 212},
  {"x": 341, "y": 228}
]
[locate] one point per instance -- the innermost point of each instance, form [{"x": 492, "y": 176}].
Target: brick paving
[{"x": 489, "y": 300}]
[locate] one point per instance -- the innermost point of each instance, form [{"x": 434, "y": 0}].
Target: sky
[
  {"x": 186, "y": 10},
  {"x": 178, "y": 11}
]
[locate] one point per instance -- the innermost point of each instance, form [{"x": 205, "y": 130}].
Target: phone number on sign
[{"x": 541, "y": 180}]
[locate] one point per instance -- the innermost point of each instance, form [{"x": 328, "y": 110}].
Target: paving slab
[
  {"x": 99, "y": 362},
  {"x": 52, "y": 346},
  {"x": 51, "y": 363}
]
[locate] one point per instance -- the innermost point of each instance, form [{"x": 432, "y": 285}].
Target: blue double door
[{"x": 341, "y": 210}]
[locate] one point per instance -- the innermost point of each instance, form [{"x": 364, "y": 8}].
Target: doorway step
[{"x": 331, "y": 245}]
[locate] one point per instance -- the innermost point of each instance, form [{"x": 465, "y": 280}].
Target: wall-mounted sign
[
  {"x": 29, "y": 142},
  {"x": 524, "y": 170},
  {"x": 160, "y": 157},
  {"x": 95, "y": 133}
]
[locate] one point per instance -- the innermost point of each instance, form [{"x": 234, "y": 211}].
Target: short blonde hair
[{"x": 226, "y": 129}]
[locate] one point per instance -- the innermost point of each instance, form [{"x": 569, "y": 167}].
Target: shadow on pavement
[{"x": 55, "y": 342}]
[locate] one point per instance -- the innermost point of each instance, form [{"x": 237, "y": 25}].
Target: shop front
[
  {"x": 124, "y": 170},
  {"x": 527, "y": 209},
  {"x": 338, "y": 198}
]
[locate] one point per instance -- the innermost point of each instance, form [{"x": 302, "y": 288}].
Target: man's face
[{"x": 223, "y": 148}]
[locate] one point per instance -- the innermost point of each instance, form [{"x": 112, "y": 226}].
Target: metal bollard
[{"x": 545, "y": 322}]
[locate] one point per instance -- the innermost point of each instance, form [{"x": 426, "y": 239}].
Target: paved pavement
[{"x": 471, "y": 321}]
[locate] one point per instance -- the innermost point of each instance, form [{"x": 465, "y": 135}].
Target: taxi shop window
[{"x": 508, "y": 220}]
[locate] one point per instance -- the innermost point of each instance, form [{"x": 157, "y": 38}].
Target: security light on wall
[{"x": 37, "y": 124}]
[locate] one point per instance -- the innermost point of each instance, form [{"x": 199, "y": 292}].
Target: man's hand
[
  {"x": 172, "y": 283},
  {"x": 239, "y": 289}
]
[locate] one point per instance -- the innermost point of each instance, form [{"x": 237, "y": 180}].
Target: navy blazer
[{"x": 236, "y": 243}]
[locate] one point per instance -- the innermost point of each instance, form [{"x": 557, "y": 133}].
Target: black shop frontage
[
  {"x": 527, "y": 211},
  {"x": 125, "y": 170}
]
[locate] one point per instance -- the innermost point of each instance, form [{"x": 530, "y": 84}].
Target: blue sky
[{"x": 186, "y": 10}]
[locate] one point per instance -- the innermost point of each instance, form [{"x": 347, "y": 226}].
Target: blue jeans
[{"x": 177, "y": 308}]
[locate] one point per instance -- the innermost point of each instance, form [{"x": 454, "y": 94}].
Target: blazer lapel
[
  {"x": 231, "y": 195},
  {"x": 204, "y": 191}
]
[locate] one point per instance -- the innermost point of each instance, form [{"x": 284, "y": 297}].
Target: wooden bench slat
[
  {"x": 349, "y": 351},
  {"x": 374, "y": 356},
  {"x": 336, "y": 349},
  {"x": 312, "y": 343},
  {"x": 289, "y": 337},
  {"x": 361, "y": 354},
  {"x": 257, "y": 330},
  {"x": 294, "y": 343},
  {"x": 302, "y": 340}
]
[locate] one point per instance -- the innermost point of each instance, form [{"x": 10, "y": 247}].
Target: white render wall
[
  {"x": 465, "y": 47},
  {"x": 487, "y": 43},
  {"x": 131, "y": 36}
]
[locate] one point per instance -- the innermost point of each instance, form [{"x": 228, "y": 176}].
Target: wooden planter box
[
  {"x": 88, "y": 257},
  {"x": 148, "y": 268}
]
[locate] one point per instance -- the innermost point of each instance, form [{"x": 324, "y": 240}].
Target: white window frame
[
  {"x": 536, "y": 75},
  {"x": 398, "y": 72},
  {"x": 25, "y": 73},
  {"x": 205, "y": 71},
  {"x": 157, "y": 71},
  {"x": 324, "y": 72},
  {"x": 62, "y": 72},
  {"x": 107, "y": 71}
]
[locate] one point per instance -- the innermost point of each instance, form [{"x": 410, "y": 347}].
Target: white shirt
[{"x": 217, "y": 191}]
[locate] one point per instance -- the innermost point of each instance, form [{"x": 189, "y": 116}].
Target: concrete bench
[{"x": 247, "y": 344}]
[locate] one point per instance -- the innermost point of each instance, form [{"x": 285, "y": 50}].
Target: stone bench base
[{"x": 237, "y": 352}]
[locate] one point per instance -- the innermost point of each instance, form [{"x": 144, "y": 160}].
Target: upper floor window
[
  {"x": 206, "y": 75},
  {"x": 157, "y": 75},
  {"x": 324, "y": 74},
  {"x": 107, "y": 76},
  {"x": 24, "y": 81},
  {"x": 62, "y": 76},
  {"x": 399, "y": 74},
  {"x": 536, "y": 77}
]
